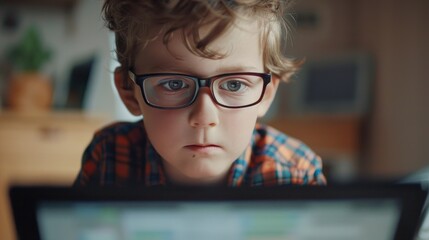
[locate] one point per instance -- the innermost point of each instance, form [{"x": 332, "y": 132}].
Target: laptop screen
[
  {"x": 295, "y": 212},
  {"x": 334, "y": 219}
]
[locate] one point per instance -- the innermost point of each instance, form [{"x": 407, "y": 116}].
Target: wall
[
  {"x": 332, "y": 33},
  {"x": 395, "y": 33}
]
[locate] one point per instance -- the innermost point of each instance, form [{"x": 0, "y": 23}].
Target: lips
[{"x": 203, "y": 147}]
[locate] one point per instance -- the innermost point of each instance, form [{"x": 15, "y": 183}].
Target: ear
[
  {"x": 270, "y": 93},
  {"x": 126, "y": 90}
]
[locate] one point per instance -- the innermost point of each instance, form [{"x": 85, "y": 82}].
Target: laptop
[
  {"x": 349, "y": 211},
  {"x": 422, "y": 177}
]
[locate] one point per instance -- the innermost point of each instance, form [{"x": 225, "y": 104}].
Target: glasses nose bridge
[{"x": 204, "y": 82}]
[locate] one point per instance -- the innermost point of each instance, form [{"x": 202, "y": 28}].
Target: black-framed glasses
[{"x": 175, "y": 90}]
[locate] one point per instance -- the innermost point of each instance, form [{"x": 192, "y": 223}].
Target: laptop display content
[
  {"x": 346, "y": 219},
  {"x": 286, "y": 213}
]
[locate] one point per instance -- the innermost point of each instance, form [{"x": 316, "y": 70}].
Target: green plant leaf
[{"x": 29, "y": 54}]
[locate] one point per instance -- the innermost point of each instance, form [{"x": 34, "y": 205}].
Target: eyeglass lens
[{"x": 177, "y": 90}]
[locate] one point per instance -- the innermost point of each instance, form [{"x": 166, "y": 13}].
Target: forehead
[{"x": 240, "y": 44}]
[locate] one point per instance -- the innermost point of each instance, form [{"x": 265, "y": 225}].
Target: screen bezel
[{"x": 25, "y": 199}]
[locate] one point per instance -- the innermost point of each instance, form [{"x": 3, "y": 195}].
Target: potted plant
[{"x": 29, "y": 89}]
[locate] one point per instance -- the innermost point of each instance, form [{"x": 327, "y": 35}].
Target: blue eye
[
  {"x": 233, "y": 85},
  {"x": 174, "y": 85}
]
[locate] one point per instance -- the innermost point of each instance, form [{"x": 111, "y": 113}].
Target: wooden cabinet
[{"x": 40, "y": 149}]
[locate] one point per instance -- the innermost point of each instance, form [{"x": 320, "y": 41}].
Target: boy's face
[{"x": 199, "y": 143}]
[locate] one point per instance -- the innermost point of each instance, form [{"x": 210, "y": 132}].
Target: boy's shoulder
[
  {"x": 119, "y": 129},
  {"x": 116, "y": 143},
  {"x": 277, "y": 156},
  {"x": 271, "y": 141}
]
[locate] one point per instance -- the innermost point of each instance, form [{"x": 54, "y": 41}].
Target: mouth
[{"x": 203, "y": 148}]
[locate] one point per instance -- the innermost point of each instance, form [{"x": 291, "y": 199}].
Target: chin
[{"x": 206, "y": 177}]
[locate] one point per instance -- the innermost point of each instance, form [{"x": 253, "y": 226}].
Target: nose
[{"x": 204, "y": 112}]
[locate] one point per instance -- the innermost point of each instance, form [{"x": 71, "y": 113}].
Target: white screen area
[{"x": 268, "y": 220}]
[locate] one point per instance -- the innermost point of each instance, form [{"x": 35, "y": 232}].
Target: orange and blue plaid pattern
[{"x": 121, "y": 155}]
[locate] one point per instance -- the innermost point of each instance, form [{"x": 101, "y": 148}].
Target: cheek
[
  {"x": 241, "y": 119},
  {"x": 239, "y": 124},
  {"x": 163, "y": 126}
]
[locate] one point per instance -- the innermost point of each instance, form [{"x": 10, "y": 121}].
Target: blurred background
[{"x": 360, "y": 100}]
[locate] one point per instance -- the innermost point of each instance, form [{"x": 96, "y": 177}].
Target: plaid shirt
[{"x": 121, "y": 155}]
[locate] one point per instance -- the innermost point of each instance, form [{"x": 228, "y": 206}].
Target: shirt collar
[{"x": 240, "y": 166}]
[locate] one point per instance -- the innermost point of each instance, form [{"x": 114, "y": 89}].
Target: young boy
[{"x": 200, "y": 72}]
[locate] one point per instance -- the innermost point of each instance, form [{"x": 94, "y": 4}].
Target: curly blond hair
[{"x": 133, "y": 23}]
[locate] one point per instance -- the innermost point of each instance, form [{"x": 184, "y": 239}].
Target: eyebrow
[
  {"x": 226, "y": 69},
  {"x": 237, "y": 68}
]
